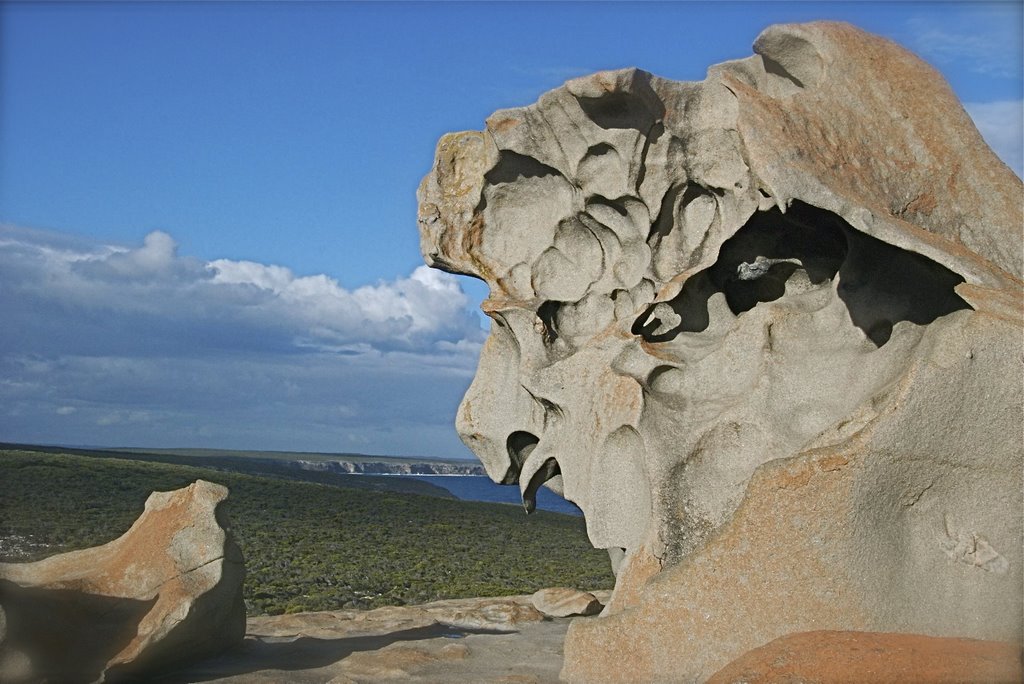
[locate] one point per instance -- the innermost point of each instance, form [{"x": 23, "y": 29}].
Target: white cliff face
[
  {"x": 808, "y": 260},
  {"x": 389, "y": 467}
]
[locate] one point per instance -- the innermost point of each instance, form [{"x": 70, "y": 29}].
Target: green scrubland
[{"x": 308, "y": 546}]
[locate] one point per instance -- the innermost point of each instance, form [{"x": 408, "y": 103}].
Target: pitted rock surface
[
  {"x": 766, "y": 331},
  {"x": 167, "y": 592}
]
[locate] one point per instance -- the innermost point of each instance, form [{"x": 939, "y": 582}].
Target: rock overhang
[{"x": 690, "y": 281}]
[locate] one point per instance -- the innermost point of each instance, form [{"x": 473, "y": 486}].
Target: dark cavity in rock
[
  {"x": 519, "y": 445},
  {"x": 880, "y": 284}
]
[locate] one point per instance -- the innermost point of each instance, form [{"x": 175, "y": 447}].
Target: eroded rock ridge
[
  {"x": 165, "y": 593},
  {"x": 766, "y": 331}
]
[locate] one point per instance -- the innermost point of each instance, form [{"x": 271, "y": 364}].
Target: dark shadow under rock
[{"x": 880, "y": 284}]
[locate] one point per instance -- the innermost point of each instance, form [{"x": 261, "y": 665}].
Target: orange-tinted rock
[
  {"x": 500, "y": 613},
  {"x": 397, "y": 661},
  {"x": 167, "y": 592},
  {"x": 765, "y": 330},
  {"x": 565, "y": 602},
  {"x": 638, "y": 567},
  {"x": 489, "y": 640},
  {"x": 880, "y": 658}
]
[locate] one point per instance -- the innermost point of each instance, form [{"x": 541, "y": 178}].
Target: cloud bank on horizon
[{"x": 93, "y": 329}]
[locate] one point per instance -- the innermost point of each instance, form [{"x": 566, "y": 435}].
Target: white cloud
[
  {"x": 156, "y": 256},
  {"x": 427, "y": 303},
  {"x": 1002, "y": 125},
  {"x": 150, "y": 290},
  {"x": 273, "y": 278},
  {"x": 984, "y": 42},
  {"x": 138, "y": 345}
]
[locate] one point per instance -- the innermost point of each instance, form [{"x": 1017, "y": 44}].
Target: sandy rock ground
[{"x": 479, "y": 640}]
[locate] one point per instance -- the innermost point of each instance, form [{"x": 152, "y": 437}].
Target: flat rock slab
[
  {"x": 167, "y": 591},
  {"x": 825, "y": 657},
  {"x": 565, "y": 602},
  {"x": 485, "y": 640}
]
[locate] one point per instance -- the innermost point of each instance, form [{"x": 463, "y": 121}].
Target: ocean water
[{"x": 481, "y": 488}]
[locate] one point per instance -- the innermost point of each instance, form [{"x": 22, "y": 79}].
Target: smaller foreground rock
[
  {"x": 167, "y": 592},
  {"x": 825, "y": 657},
  {"x": 564, "y": 602}
]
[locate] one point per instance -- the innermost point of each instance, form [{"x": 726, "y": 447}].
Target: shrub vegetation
[{"x": 308, "y": 546}]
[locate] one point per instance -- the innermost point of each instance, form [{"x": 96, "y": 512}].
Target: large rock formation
[
  {"x": 167, "y": 592},
  {"x": 834, "y": 657},
  {"x": 766, "y": 331}
]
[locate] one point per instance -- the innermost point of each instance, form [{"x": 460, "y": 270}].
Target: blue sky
[{"x": 207, "y": 210}]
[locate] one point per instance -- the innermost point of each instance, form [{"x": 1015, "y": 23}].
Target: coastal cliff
[{"x": 383, "y": 468}]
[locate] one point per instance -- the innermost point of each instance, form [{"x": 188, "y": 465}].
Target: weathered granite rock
[
  {"x": 833, "y": 657},
  {"x": 492, "y": 614},
  {"x": 766, "y": 331},
  {"x": 434, "y": 642},
  {"x": 395, "y": 662},
  {"x": 167, "y": 592},
  {"x": 497, "y": 614},
  {"x": 565, "y": 602}
]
